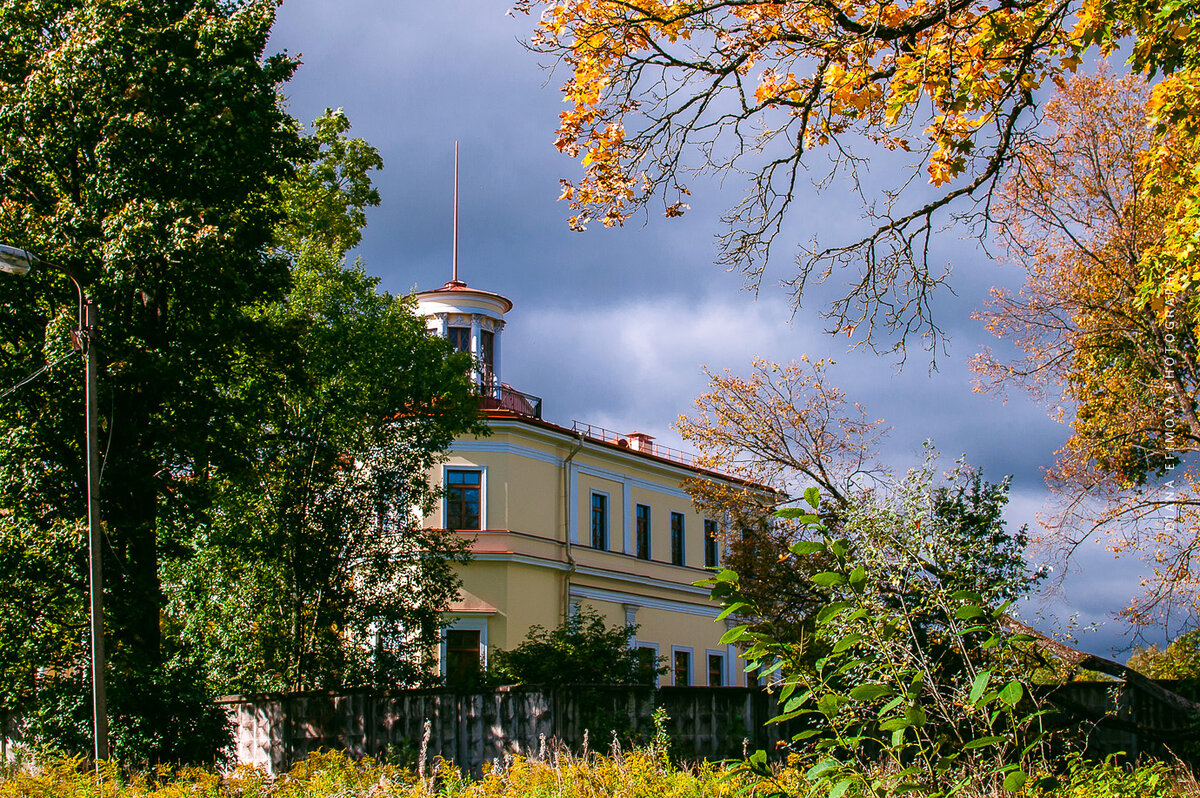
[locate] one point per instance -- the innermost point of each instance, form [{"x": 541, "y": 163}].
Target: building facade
[{"x": 568, "y": 516}]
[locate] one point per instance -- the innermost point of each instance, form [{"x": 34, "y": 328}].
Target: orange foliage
[
  {"x": 786, "y": 427},
  {"x": 1081, "y": 212},
  {"x": 864, "y": 67},
  {"x": 660, "y": 90}
]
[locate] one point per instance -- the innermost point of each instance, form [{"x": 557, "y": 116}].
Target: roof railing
[{"x": 636, "y": 442}]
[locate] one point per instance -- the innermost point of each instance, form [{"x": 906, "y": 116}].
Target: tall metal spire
[{"x": 454, "y": 255}]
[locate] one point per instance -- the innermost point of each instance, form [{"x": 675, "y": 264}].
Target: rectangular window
[
  {"x": 487, "y": 347},
  {"x": 710, "y": 543},
  {"x": 462, "y": 656},
  {"x": 643, "y": 532},
  {"x": 463, "y": 498},
  {"x": 677, "y": 538},
  {"x": 716, "y": 670},
  {"x": 599, "y": 521},
  {"x": 647, "y": 659},
  {"x": 460, "y": 338},
  {"x": 487, "y": 353},
  {"x": 682, "y": 667}
]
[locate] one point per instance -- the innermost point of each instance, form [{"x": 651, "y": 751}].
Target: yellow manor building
[{"x": 568, "y": 516}]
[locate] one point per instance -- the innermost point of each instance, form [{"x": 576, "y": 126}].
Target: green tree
[
  {"x": 1179, "y": 660},
  {"x": 312, "y": 570},
  {"x": 139, "y": 148},
  {"x": 918, "y": 686},
  {"x": 144, "y": 147},
  {"x": 583, "y": 650},
  {"x": 785, "y": 426}
]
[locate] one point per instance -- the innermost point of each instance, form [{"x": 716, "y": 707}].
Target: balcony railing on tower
[{"x": 505, "y": 397}]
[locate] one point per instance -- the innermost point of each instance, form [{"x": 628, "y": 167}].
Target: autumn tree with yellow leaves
[
  {"x": 657, "y": 92},
  {"x": 1082, "y": 212},
  {"x": 791, "y": 435},
  {"x": 787, "y": 430}
]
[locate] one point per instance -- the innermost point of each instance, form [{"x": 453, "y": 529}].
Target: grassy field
[{"x": 642, "y": 773}]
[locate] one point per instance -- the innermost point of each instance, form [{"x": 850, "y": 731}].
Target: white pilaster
[{"x": 627, "y": 514}]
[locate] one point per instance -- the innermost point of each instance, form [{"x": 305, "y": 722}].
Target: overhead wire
[{"x": 35, "y": 375}]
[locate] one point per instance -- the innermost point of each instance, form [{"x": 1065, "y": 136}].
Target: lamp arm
[{"x": 84, "y": 332}]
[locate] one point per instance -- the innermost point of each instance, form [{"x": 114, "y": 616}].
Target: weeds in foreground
[{"x": 552, "y": 774}]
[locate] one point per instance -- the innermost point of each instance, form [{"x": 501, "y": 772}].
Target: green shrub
[
  {"x": 908, "y": 683},
  {"x": 581, "y": 650},
  {"x": 155, "y": 716}
]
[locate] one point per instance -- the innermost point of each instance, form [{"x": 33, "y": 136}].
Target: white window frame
[
  {"x": 483, "y": 522},
  {"x": 713, "y": 652},
  {"x": 691, "y": 675},
  {"x": 716, "y": 541},
  {"x": 654, "y": 646},
  {"x": 683, "y": 546},
  {"x": 464, "y": 625},
  {"x": 649, "y": 531}
]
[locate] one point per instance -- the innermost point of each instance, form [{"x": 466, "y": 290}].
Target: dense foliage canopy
[{"x": 267, "y": 416}]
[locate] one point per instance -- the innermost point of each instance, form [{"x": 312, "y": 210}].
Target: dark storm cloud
[{"x": 613, "y": 326}]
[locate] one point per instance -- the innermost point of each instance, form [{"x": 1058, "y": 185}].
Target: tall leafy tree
[
  {"x": 139, "y": 148},
  {"x": 1080, "y": 214},
  {"x": 312, "y": 569},
  {"x": 144, "y": 147}
]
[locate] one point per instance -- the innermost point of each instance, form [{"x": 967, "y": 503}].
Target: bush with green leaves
[
  {"x": 1079, "y": 778},
  {"x": 582, "y": 650},
  {"x": 155, "y": 715},
  {"x": 907, "y": 682}
]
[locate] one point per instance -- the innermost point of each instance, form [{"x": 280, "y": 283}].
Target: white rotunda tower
[{"x": 472, "y": 320}]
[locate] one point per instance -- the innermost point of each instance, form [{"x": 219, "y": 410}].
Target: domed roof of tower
[{"x": 457, "y": 297}]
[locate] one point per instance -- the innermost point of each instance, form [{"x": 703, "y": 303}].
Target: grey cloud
[{"x": 612, "y": 326}]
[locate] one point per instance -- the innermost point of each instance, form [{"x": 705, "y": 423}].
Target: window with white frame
[
  {"x": 716, "y": 669},
  {"x": 642, "y": 542},
  {"x": 677, "y": 531},
  {"x": 463, "y": 498},
  {"x": 600, "y": 521},
  {"x": 464, "y": 651},
  {"x": 681, "y": 666},
  {"x": 710, "y": 543}
]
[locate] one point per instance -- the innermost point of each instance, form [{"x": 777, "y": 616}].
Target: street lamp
[{"x": 19, "y": 261}]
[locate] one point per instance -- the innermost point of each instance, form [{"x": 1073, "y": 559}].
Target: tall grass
[{"x": 640, "y": 773}]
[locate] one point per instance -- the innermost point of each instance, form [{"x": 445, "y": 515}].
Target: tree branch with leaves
[
  {"x": 659, "y": 92},
  {"x": 1080, "y": 213}
]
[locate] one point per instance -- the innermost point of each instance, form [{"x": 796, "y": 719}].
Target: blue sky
[{"x": 613, "y": 326}]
